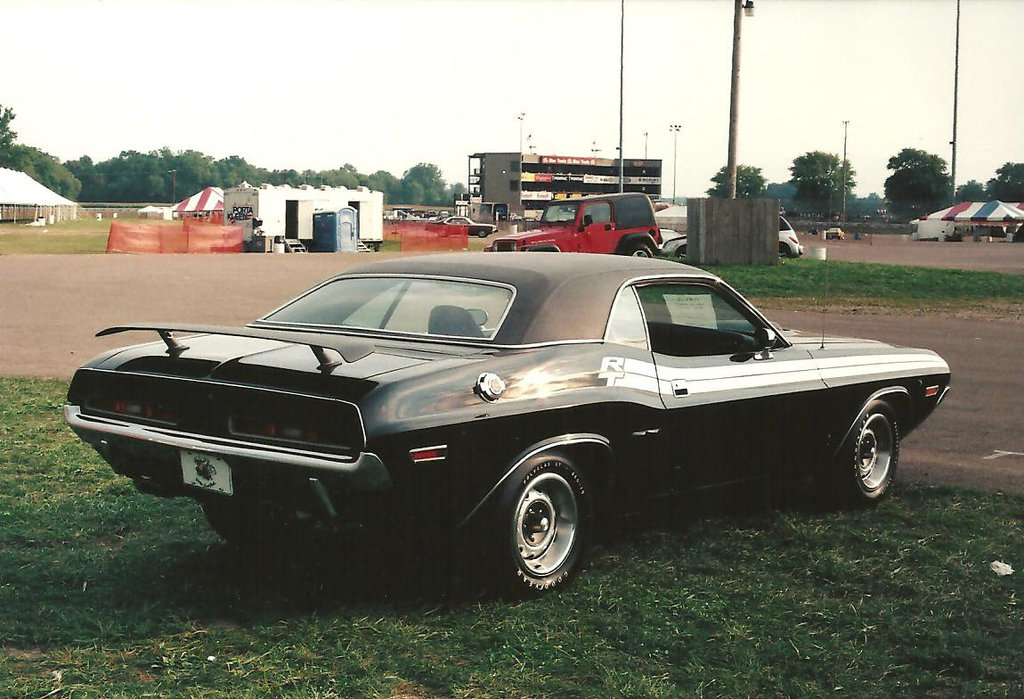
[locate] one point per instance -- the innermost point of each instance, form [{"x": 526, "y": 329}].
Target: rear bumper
[{"x": 136, "y": 450}]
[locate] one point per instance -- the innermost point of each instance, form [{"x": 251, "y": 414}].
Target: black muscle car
[{"x": 515, "y": 399}]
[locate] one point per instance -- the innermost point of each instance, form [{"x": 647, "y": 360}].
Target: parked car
[
  {"x": 674, "y": 244},
  {"x": 506, "y": 401},
  {"x": 481, "y": 230},
  {"x": 613, "y": 223},
  {"x": 835, "y": 233},
  {"x": 789, "y": 244}
]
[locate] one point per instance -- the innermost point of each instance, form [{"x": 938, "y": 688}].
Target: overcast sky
[{"x": 313, "y": 84}]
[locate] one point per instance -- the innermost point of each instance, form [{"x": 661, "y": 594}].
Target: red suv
[{"x": 613, "y": 223}]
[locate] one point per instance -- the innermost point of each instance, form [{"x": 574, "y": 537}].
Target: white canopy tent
[{"x": 22, "y": 198}]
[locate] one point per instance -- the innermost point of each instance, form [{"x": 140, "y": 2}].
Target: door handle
[{"x": 679, "y": 388}]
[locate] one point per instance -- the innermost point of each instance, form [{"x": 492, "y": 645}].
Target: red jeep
[{"x": 612, "y": 223}]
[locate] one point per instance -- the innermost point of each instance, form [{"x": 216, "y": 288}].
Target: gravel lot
[{"x": 51, "y": 306}]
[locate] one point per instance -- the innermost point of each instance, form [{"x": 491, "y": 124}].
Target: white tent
[{"x": 21, "y": 197}]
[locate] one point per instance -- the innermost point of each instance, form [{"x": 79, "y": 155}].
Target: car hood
[{"x": 541, "y": 232}]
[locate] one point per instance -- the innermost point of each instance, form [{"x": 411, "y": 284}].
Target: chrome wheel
[
  {"x": 545, "y": 523},
  {"x": 642, "y": 252},
  {"x": 875, "y": 451}
]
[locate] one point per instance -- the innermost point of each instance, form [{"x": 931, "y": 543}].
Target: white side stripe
[{"x": 646, "y": 376}]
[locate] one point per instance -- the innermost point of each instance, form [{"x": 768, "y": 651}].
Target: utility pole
[
  {"x": 956, "y": 86},
  {"x": 747, "y": 7},
  {"x": 622, "y": 73},
  {"x": 846, "y": 124},
  {"x": 674, "y": 128}
]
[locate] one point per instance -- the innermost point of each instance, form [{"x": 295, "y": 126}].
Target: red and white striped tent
[
  {"x": 993, "y": 213},
  {"x": 207, "y": 201}
]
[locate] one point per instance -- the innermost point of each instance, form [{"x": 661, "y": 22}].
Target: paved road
[{"x": 51, "y": 306}]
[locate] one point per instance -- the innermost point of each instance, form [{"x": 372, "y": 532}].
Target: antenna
[{"x": 824, "y": 302}]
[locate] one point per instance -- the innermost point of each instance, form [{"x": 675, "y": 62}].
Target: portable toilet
[
  {"x": 348, "y": 229},
  {"x": 335, "y": 231}
]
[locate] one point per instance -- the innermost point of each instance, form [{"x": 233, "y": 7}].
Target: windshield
[
  {"x": 559, "y": 213},
  {"x": 435, "y": 307}
]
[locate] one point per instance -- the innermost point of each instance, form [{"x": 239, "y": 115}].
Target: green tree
[
  {"x": 972, "y": 190},
  {"x": 7, "y": 135},
  {"x": 785, "y": 192},
  {"x": 818, "y": 178},
  {"x": 1008, "y": 184},
  {"x": 750, "y": 183},
  {"x": 383, "y": 181},
  {"x": 918, "y": 184},
  {"x": 423, "y": 184}
]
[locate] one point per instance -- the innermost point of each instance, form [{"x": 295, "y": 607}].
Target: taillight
[
  {"x": 141, "y": 409},
  {"x": 273, "y": 429}
]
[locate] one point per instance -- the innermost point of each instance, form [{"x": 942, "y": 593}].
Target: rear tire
[
  {"x": 639, "y": 249},
  {"x": 544, "y": 522},
  {"x": 865, "y": 467}
]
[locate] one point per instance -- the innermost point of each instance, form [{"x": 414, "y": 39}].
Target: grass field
[
  {"x": 865, "y": 287},
  {"x": 108, "y": 593}
]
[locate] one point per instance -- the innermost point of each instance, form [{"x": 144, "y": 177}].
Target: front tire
[
  {"x": 866, "y": 465},
  {"x": 544, "y": 525}
]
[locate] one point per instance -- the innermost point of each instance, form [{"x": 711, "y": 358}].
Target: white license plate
[{"x": 206, "y": 472}]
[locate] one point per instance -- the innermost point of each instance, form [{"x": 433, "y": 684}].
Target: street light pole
[
  {"x": 522, "y": 115},
  {"x": 174, "y": 182},
  {"x": 622, "y": 73},
  {"x": 956, "y": 86},
  {"x": 747, "y": 7},
  {"x": 645, "y": 145},
  {"x": 846, "y": 124},
  {"x": 674, "y": 128}
]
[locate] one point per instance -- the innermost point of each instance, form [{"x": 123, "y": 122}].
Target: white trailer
[
  {"x": 932, "y": 229},
  {"x": 287, "y": 212}
]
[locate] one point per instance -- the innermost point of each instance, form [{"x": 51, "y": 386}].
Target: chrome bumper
[{"x": 367, "y": 470}]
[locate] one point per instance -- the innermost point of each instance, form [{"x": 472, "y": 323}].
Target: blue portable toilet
[{"x": 336, "y": 231}]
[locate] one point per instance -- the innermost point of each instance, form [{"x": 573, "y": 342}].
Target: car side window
[
  {"x": 626, "y": 322},
  {"x": 599, "y": 212},
  {"x": 633, "y": 212},
  {"x": 694, "y": 320}
]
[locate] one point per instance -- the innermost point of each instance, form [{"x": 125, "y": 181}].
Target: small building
[
  {"x": 505, "y": 185},
  {"x": 287, "y": 212}
]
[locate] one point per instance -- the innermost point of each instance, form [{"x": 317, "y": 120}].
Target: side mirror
[
  {"x": 765, "y": 338},
  {"x": 587, "y": 219}
]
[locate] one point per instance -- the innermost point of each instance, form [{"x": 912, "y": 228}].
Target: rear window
[
  {"x": 633, "y": 212},
  {"x": 430, "y": 307}
]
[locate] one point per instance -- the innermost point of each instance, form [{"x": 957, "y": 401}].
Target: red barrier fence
[
  {"x": 423, "y": 236},
  {"x": 191, "y": 236}
]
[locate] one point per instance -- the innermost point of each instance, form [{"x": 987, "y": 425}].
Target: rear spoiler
[{"x": 342, "y": 349}]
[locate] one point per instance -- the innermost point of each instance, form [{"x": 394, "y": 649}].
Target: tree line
[
  {"x": 167, "y": 176},
  {"x": 919, "y": 184}
]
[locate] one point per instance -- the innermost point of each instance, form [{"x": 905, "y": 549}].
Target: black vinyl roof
[{"x": 559, "y": 296}]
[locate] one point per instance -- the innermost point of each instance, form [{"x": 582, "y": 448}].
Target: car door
[
  {"x": 598, "y": 231},
  {"x": 732, "y": 408}
]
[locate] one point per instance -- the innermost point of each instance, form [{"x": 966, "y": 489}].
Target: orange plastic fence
[
  {"x": 421, "y": 236},
  {"x": 190, "y": 236}
]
